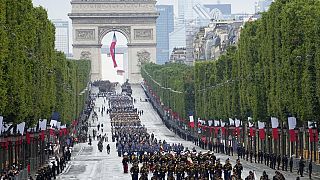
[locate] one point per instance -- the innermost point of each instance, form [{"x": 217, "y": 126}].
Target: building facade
[
  {"x": 62, "y": 36},
  {"x": 262, "y": 5},
  {"x": 192, "y": 15},
  {"x": 165, "y": 25},
  {"x": 178, "y": 55},
  {"x": 212, "y": 41}
]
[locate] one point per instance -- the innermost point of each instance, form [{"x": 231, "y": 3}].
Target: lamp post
[
  {"x": 314, "y": 131},
  {"x": 297, "y": 135}
]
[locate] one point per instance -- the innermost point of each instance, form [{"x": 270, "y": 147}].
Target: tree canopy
[
  {"x": 36, "y": 80},
  {"x": 273, "y": 71}
]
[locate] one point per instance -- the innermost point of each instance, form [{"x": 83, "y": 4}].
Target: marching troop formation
[{"x": 149, "y": 155}]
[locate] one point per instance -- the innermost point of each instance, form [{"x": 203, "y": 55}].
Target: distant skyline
[{"x": 59, "y": 9}]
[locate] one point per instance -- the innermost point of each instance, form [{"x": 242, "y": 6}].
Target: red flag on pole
[
  {"x": 236, "y": 131},
  {"x": 216, "y": 130},
  {"x": 113, "y": 50},
  {"x": 252, "y": 132},
  {"x": 314, "y": 136},
  {"x": 28, "y": 138},
  {"x": 262, "y": 134},
  {"x": 292, "y": 135},
  {"x": 52, "y": 132},
  {"x": 42, "y": 135}
]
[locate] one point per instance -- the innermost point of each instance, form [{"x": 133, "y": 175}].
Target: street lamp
[{"x": 314, "y": 131}]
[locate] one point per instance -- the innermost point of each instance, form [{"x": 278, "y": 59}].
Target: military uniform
[
  {"x": 227, "y": 168},
  {"x": 134, "y": 171},
  {"x": 238, "y": 168},
  {"x": 144, "y": 172},
  {"x": 163, "y": 171}
]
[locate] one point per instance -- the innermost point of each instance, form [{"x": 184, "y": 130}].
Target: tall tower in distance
[{"x": 61, "y": 36}]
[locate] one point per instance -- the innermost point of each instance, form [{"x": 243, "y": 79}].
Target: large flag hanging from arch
[{"x": 113, "y": 50}]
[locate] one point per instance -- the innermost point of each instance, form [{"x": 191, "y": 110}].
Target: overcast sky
[{"x": 58, "y": 9}]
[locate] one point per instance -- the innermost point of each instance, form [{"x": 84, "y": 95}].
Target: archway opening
[{"x": 120, "y": 73}]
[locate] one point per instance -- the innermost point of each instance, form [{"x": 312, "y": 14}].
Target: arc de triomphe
[{"x": 135, "y": 19}]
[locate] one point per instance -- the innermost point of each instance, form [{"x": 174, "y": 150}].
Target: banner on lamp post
[
  {"x": 292, "y": 123},
  {"x": 275, "y": 125},
  {"x": 262, "y": 133}
]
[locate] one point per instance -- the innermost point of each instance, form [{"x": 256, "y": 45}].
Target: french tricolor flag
[
  {"x": 191, "y": 123},
  {"x": 113, "y": 50}
]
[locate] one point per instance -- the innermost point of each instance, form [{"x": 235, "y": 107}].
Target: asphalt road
[{"x": 88, "y": 163}]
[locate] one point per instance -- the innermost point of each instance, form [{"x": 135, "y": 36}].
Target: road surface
[{"x": 90, "y": 164}]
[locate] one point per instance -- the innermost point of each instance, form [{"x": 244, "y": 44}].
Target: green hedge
[
  {"x": 274, "y": 71},
  {"x": 35, "y": 80},
  {"x": 177, "y": 77}
]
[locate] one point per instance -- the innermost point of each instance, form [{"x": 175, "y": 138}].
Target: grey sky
[{"x": 58, "y": 9}]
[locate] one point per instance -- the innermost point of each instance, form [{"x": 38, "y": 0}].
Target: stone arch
[
  {"x": 125, "y": 30},
  {"x": 93, "y": 19}
]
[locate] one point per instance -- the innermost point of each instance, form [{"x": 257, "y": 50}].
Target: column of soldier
[{"x": 163, "y": 160}]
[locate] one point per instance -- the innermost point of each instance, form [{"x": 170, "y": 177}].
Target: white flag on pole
[
  {"x": 237, "y": 122},
  {"x": 191, "y": 119},
  {"x": 63, "y": 127},
  {"x": 210, "y": 122},
  {"x": 261, "y": 125},
  {"x": 1, "y": 124},
  {"x": 58, "y": 125},
  {"x": 42, "y": 125},
  {"x": 274, "y": 122},
  {"x": 6, "y": 127},
  {"x": 53, "y": 123},
  {"x": 312, "y": 124},
  {"x": 292, "y": 122},
  {"x": 216, "y": 123},
  {"x": 251, "y": 124},
  {"x": 231, "y": 122},
  {"x": 20, "y": 128},
  {"x": 223, "y": 124}
]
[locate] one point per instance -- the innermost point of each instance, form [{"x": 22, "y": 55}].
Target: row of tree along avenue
[
  {"x": 263, "y": 94},
  {"x": 36, "y": 82}
]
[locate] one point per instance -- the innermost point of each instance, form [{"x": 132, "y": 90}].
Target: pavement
[{"x": 88, "y": 163}]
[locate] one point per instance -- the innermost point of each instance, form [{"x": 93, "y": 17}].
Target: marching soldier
[
  {"x": 163, "y": 171},
  {"x": 227, "y": 168},
  {"x": 238, "y": 168},
  {"x": 134, "y": 171},
  {"x": 171, "y": 169},
  {"x": 212, "y": 169},
  {"x": 218, "y": 169},
  {"x": 144, "y": 172},
  {"x": 125, "y": 161},
  {"x": 179, "y": 171}
]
